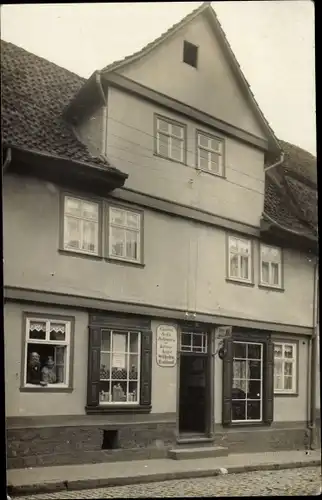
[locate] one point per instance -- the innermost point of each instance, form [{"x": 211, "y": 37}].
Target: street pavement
[{"x": 289, "y": 482}]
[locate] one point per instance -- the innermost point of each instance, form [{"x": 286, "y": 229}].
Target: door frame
[{"x": 210, "y": 387}]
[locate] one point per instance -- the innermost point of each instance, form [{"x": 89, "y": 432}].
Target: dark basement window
[{"x": 190, "y": 54}]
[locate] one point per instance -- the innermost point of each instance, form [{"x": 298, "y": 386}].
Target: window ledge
[
  {"x": 46, "y": 389},
  {"x": 124, "y": 262},
  {"x": 238, "y": 282},
  {"x": 169, "y": 159},
  {"x": 273, "y": 288},
  {"x": 75, "y": 253},
  {"x": 117, "y": 409},
  {"x": 286, "y": 394},
  {"x": 238, "y": 425},
  {"x": 201, "y": 170}
]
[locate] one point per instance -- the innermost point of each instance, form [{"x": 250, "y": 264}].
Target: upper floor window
[
  {"x": 285, "y": 373},
  {"x": 124, "y": 234},
  {"x": 170, "y": 139},
  {"x": 190, "y": 54},
  {"x": 47, "y": 353},
  {"x": 271, "y": 266},
  {"x": 240, "y": 259},
  {"x": 209, "y": 153},
  {"x": 81, "y": 225}
]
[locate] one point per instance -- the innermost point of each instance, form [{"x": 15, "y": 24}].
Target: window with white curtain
[
  {"x": 271, "y": 266},
  {"x": 240, "y": 259},
  {"x": 124, "y": 234},
  {"x": 81, "y": 225},
  {"x": 285, "y": 373}
]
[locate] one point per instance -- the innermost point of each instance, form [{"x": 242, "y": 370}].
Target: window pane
[
  {"x": 60, "y": 354},
  {"x": 278, "y": 384},
  {"x": 215, "y": 145},
  {"x": 105, "y": 366},
  {"x": 288, "y": 351},
  {"x": 254, "y": 369},
  {"x": 163, "y": 145},
  {"x": 254, "y": 351},
  {"x": 233, "y": 245},
  {"x": 176, "y": 149},
  {"x": 244, "y": 273},
  {"x": 288, "y": 383},
  {"x": 72, "y": 233},
  {"x": 132, "y": 220},
  {"x": 45, "y": 364},
  {"x": 238, "y": 410},
  {"x": 234, "y": 266},
  {"x": 90, "y": 210},
  {"x": 132, "y": 245},
  {"x": 90, "y": 236},
  {"x": 278, "y": 350},
  {"x": 177, "y": 131},
  {"x": 57, "y": 331},
  {"x": 254, "y": 389},
  {"x": 215, "y": 162},
  {"x": 239, "y": 389},
  {"x": 243, "y": 246},
  {"x": 164, "y": 126},
  {"x": 73, "y": 206},
  {"x": 203, "y": 153},
  {"x": 106, "y": 341},
  {"x": 253, "y": 410},
  {"x": 265, "y": 272},
  {"x": 117, "y": 241},
  {"x": 288, "y": 368},
  {"x": 119, "y": 391},
  {"x": 278, "y": 367},
  {"x": 239, "y": 350},
  {"x": 134, "y": 342},
  {"x": 117, "y": 216},
  {"x": 275, "y": 273},
  {"x": 134, "y": 367},
  {"x": 37, "y": 330},
  {"x": 203, "y": 140},
  {"x": 186, "y": 340},
  {"x": 133, "y": 395},
  {"x": 203, "y": 163},
  {"x": 240, "y": 369}
]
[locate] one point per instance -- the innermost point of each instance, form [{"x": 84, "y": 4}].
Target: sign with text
[{"x": 166, "y": 345}]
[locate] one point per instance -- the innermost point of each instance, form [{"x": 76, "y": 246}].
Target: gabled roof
[
  {"x": 204, "y": 9},
  {"x": 34, "y": 92}
]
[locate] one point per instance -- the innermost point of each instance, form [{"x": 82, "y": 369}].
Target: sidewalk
[{"x": 77, "y": 477}]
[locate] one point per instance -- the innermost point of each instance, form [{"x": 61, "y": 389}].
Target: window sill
[
  {"x": 237, "y": 425},
  {"x": 169, "y": 159},
  {"x": 114, "y": 260},
  {"x": 46, "y": 389},
  {"x": 286, "y": 394},
  {"x": 119, "y": 409},
  {"x": 201, "y": 170},
  {"x": 272, "y": 288},
  {"x": 75, "y": 253},
  {"x": 239, "y": 282}
]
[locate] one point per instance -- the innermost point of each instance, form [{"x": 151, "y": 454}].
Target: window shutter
[
  {"x": 94, "y": 353},
  {"x": 146, "y": 368},
  {"x": 227, "y": 381},
  {"x": 269, "y": 383}
]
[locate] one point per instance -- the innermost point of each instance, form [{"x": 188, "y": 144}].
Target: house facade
[{"x": 160, "y": 287}]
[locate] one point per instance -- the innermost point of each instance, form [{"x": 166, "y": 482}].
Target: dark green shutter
[
  {"x": 146, "y": 368},
  {"x": 227, "y": 381},
  {"x": 269, "y": 383},
  {"x": 94, "y": 353}
]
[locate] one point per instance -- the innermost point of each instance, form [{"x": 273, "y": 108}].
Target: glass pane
[
  {"x": 105, "y": 395},
  {"x": 244, "y": 267},
  {"x": 37, "y": 330},
  {"x": 239, "y": 389},
  {"x": 73, "y": 206},
  {"x": 133, "y": 394},
  {"x": 72, "y": 232},
  {"x": 60, "y": 353},
  {"x": 288, "y": 351},
  {"x": 215, "y": 162},
  {"x": 134, "y": 367},
  {"x": 243, "y": 246},
  {"x": 275, "y": 273},
  {"x": 278, "y": 382},
  {"x": 186, "y": 340},
  {"x": 164, "y": 126},
  {"x": 90, "y": 210},
  {"x": 288, "y": 368},
  {"x": 254, "y": 389},
  {"x": 176, "y": 149},
  {"x": 177, "y": 131},
  {"x": 41, "y": 364},
  {"x": 278, "y": 367},
  {"x": 119, "y": 391},
  {"x": 233, "y": 245},
  {"x": 253, "y": 410},
  {"x": 240, "y": 369},
  {"x": 203, "y": 163},
  {"x": 163, "y": 145},
  {"x": 203, "y": 140},
  {"x": 288, "y": 383},
  {"x": 90, "y": 236},
  {"x": 265, "y": 272},
  {"x": 239, "y": 350},
  {"x": 254, "y": 351},
  {"x": 254, "y": 369},
  {"x": 57, "y": 331},
  {"x": 264, "y": 252},
  {"x": 105, "y": 366},
  {"x": 197, "y": 340},
  {"x": 134, "y": 343},
  {"x": 131, "y": 251},
  {"x": 238, "y": 410},
  {"x": 234, "y": 266},
  {"x": 215, "y": 145},
  {"x": 133, "y": 220},
  {"x": 106, "y": 340},
  {"x": 117, "y": 241},
  {"x": 204, "y": 154},
  {"x": 278, "y": 351},
  {"x": 117, "y": 216}
]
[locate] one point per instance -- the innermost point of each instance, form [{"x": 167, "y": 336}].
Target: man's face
[{"x": 34, "y": 359}]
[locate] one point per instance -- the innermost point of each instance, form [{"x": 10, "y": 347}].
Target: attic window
[{"x": 190, "y": 54}]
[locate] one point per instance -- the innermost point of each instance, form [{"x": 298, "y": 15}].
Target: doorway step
[{"x": 197, "y": 449}]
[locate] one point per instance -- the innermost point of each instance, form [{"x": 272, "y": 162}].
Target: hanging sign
[{"x": 166, "y": 346}]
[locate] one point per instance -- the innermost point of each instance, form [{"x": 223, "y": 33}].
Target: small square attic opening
[{"x": 190, "y": 54}]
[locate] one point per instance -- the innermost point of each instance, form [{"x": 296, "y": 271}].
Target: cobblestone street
[{"x": 289, "y": 482}]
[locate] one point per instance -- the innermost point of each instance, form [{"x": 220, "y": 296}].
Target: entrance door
[{"x": 193, "y": 401}]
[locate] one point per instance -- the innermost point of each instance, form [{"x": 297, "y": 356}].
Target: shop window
[
  {"x": 285, "y": 368},
  {"x": 247, "y": 381},
  {"x": 47, "y": 353}
]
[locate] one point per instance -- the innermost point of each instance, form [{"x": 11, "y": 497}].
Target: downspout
[
  {"x": 277, "y": 164},
  {"x": 313, "y": 367},
  {"x": 104, "y": 125},
  {"x": 7, "y": 161}
]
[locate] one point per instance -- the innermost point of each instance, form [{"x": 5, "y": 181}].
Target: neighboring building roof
[
  {"x": 34, "y": 92},
  {"x": 206, "y": 9}
]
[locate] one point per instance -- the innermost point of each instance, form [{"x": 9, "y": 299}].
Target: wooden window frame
[
  {"x": 238, "y": 280},
  {"x": 99, "y": 323},
  {"x": 175, "y": 123},
  {"x": 221, "y": 154},
  {"x": 264, "y": 284},
  {"x": 69, "y": 322},
  {"x": 267, "y": 381},
  {"x": 295, "y": 363}
]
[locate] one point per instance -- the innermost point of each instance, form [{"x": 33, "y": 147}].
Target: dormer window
[{"x": 190, "y": 54}]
